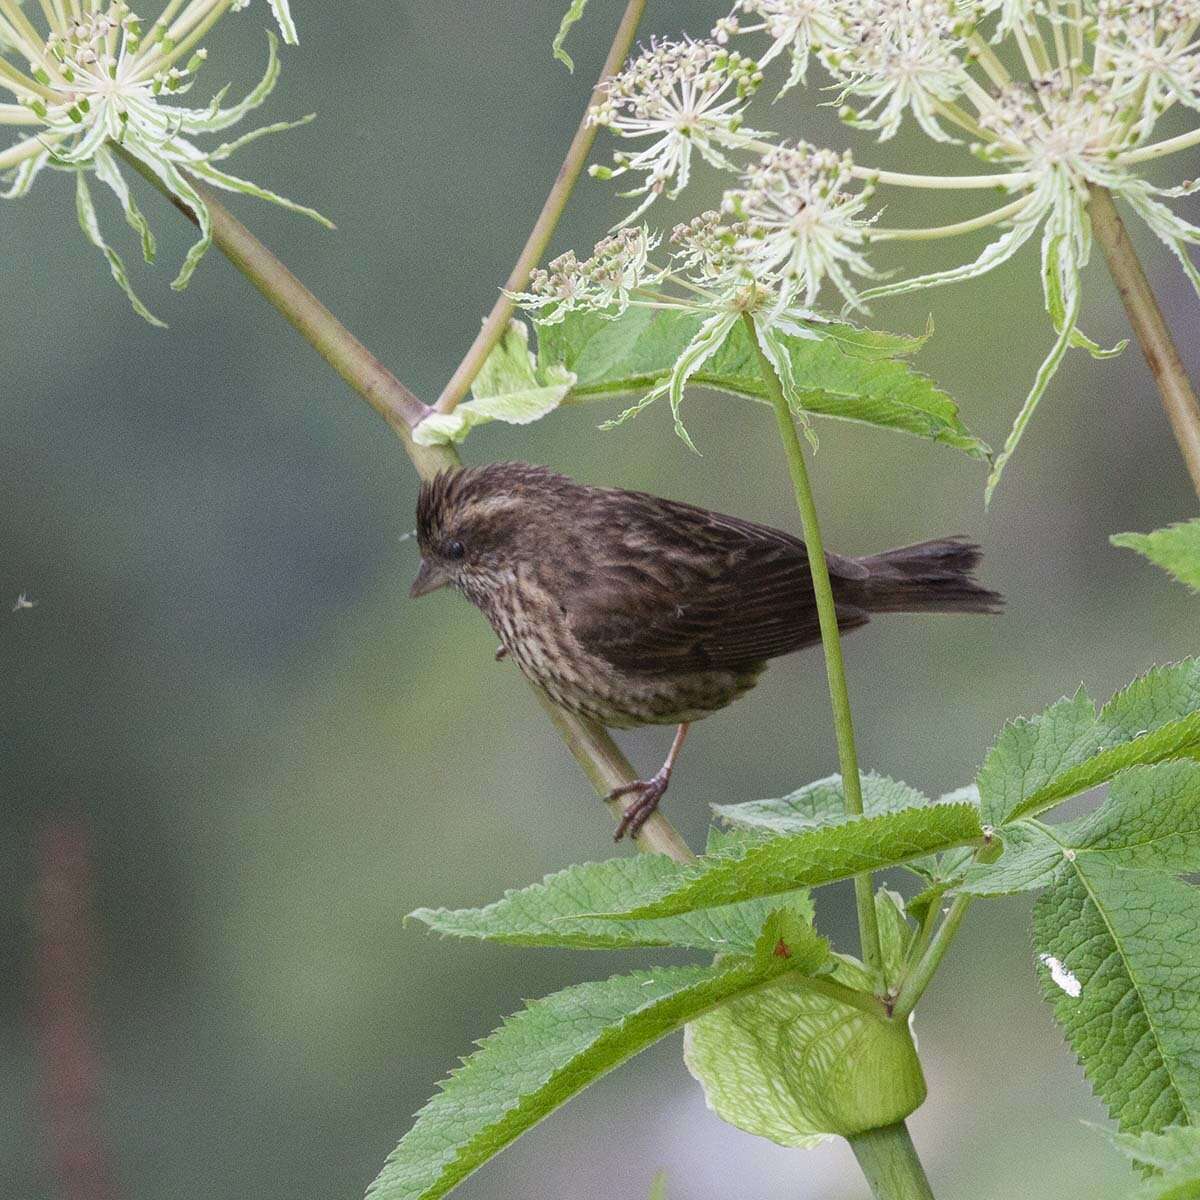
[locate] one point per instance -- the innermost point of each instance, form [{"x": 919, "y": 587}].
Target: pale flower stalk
[{"x": 95, "y": 79}]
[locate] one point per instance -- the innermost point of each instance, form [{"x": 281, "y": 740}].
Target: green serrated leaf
[
  {"x": 1176, "y": 549},
  {"x": 551, "y": 913},
  {"x": 796, "y": 1066},
  {"x": 570, "y": 17},
  {"x": 809, "y": 858},
  {"x": 819, "y": 803},
  {"x": 1173, "y": 1148},
  {"x": 1149, "y": 821},
  {"x": 822, "y": 802},
  {"x": 510, "y": 387},
  {"x": 1038, "y": 763},
  {"x": 1119, "y": 954},
  {"x": 854, "y": 374},
  {"x": 1029, "y": 859},
  {"x": 788, "y": 934},
  {"x": 542, "y": 1057},
  {"x": 1031, "y": 752}
]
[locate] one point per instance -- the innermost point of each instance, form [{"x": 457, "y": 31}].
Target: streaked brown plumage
[{"x": 634, "y": 610}]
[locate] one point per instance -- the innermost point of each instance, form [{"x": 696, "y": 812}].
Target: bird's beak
[{"x": 429, "y": 578}]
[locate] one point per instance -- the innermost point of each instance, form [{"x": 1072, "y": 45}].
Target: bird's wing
[{"x": 684, "y": 589}]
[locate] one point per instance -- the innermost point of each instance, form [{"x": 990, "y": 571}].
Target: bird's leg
[{"x": 648, "y": 791}]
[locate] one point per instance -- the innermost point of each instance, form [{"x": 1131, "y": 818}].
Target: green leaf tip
[
  {"x": 555, "y": 912},
  {"x": 1038, "y": 762},
  {"x": 570, "y": 17},
  {"x": 550, "y": 1051},
  {"x": 1175, "y": 549}
]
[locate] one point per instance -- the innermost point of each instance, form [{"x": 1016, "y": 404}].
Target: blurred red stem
[{"x": 66, "y": 945}]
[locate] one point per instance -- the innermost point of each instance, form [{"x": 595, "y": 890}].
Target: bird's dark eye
[{"x": 455, "y": 549}]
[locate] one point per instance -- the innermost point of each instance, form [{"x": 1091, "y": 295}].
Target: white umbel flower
[
  {"x": 104, "y": 84},
  {"x": 803, "y": 223},
  {"x": 679, "y": 97}
]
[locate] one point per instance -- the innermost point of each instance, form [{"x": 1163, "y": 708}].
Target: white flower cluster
[
  {"x": 680, "y": 97},
  {"x": 803, "y": 222},
  {"x": 1096, "y": 77},
  {"x": 605, "y": 282},
  {"x": 101, "y": 84}
]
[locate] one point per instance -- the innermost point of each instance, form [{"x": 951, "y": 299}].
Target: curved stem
[
  {"x": 1184, "y": 141},
  {"x": 564, "y": 183},
  {"x": 592, "y": 747},
  {"x": 889, "y": 1161},
  {"x": 996, "y": 215},
  {"x": 1141, "y": 305},
  {"x": 835, "y": 668}
]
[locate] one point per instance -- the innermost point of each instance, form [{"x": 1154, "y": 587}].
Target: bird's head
[{"x": 474, "y": 524}]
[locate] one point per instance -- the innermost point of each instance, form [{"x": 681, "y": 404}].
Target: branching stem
[
  {"x": 917, "y": 979},
  {"x": 564, "y": 183},
  {"x": 1146, "y": 317},
  {"x": 592, "y": 747},
  {"x": 835, "y": 668}
]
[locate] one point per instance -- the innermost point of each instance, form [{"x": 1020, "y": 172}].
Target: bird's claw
[{"x": 648, "y": 792}]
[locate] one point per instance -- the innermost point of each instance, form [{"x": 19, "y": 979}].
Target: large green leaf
[
  {"x": 797, "y": 1066},
  {"x": 824, "y": 801},
  {"x": 1038, "y": 763},
  {"x": 809, "y": 858},
  {"x": 553, "y": 1049},
  {"x": 819, "y": 803},
  {"x": 552, "y": 913},
  {"x": 854, "y": 374},
  {"x": 1150, "y": 821},
  {"x": 1176, "y": 549},
  {"x": 1120, "y": 963}
]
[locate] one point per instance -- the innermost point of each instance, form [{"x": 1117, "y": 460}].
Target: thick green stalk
[
  {"x": 889, "y": 1161},
  {"x": 592, "y": 747},
  {"x": 1154, "y": 337},
  {"x": 539, "y": 238},
  {"x": 835, "y": 668}
]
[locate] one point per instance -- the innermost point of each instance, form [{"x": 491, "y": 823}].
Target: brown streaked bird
[{"x": 634, "y": 610}]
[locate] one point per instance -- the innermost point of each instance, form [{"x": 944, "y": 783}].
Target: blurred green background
[{"x": 277, "y": 755}]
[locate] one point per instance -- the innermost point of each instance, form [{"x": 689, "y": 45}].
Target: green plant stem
[
  {"x": 917, "y": 980},
  {"x": 835, "y": 668},
  {"x": 539, "y": 238},
  {"x": 1154, "y": 337},
  {"x": 591, "y": 746},
  {"x": 889, "y": 1161}
]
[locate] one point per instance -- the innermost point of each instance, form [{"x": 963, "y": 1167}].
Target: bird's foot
[{"x": 647, "y": 793}]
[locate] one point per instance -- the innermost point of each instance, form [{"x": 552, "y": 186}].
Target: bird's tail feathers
[{"x": 929, "y": 577}]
